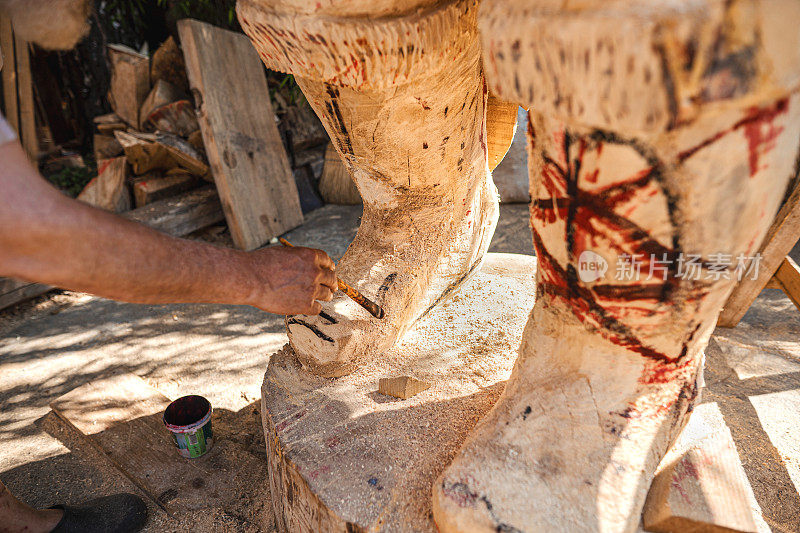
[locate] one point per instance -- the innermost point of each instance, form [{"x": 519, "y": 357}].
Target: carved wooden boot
[
  {"x": 403, "y": 97},
  {"x": 664, "y": 139}
]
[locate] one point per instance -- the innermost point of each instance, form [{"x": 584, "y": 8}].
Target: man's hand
[{"x": 292, "y": 280}]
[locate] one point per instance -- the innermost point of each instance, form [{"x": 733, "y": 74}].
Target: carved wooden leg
[
  {"x": 403, "y": 98},
  {"x": 663, "y": 140}
]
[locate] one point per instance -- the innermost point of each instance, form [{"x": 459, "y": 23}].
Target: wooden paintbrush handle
[{"x": 373, "y": 308}]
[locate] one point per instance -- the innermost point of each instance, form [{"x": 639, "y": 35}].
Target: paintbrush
[{"x": 373, "y": 308}]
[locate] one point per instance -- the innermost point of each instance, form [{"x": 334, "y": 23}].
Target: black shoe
[{"x": 120, "y": 513}]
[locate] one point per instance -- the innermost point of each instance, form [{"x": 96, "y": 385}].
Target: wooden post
[
  {"x": 780, "y": 239},
  {"x": 9, "y": 73},
  {"x": 27, "y": 114},
  {"x": 788, "y": 280},
  {"x": 18, "y": 88}
]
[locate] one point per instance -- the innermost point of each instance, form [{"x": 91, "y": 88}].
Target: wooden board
[
  {"x": 247, "y": 157},
  {"x": 162, "y": 93},
  {"x": 787, "y": 278},
  {"x": 704, "y": 490},
  {"x": 780, "y": 239},
  {"x": 27, "y": 114},
  {"x": 121, "y": 417},
  {"x": 9, "y": 73},
  {"x": 151, "y": 187},
  {"x": 182, "y": 214},
  {"x": 344, "y": 458},
  {"x": 105, "y": 147},
  {"x": 501, "y": 125},
  {"x": 13, "y": 291}
]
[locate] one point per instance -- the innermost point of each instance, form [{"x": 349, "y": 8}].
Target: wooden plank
[
  {"x": 247, "y": 157},
  {"x": 27, "y": 111},
  {"x": 151, "y": 187},
  {"x": 788, "y": 276},
  {"x": 9, "y": 72},
  {"x": 14, "y": 291},
  {"x": 164, "y": 151},
  {"x": 121, "y": 417},
  {"x": 780, "y": 239},
  {"x": 183, "y": 214},
  {"x": 106, "y": 146},
  {"x": 704, "y": 490},
  {"x": 501, "y": 125}
]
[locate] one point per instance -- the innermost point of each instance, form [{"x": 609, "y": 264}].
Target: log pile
[{"x": 150, "y": 147}]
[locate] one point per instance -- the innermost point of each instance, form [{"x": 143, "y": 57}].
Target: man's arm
[{"x": 48, "y": 238}]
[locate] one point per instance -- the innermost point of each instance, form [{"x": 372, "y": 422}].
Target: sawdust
[{"x": 372, "y": 459}]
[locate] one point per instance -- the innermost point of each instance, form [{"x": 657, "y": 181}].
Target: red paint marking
[
  {"x": 314, "y": 474},
  {"x": 104, "y": 166},
  {"x": 759, "y": 142},
  {"x": 761, "y": 133},
  {"x": 297, "y": 416},
  {"x": 684, "y": 470}
]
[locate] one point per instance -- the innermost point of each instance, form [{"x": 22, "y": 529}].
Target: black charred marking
[
  {"x": 656, "y": 173},
  {"x": 461, "y": 493},
  {"x": 328, "y": 317},
  {"x": 736, "y": 70},
  {"x": 314, "y": 329},
  {"x": 515, "y": 50},
  {"x": 526, "y": 412},
  {"x": 572, "y": 211},
  {"x": 669, "y": 85},
  {"x": 384, "y": 288},
  {"x": 424, "y": 146},
  {"x": 335, "y": 113},
  {"x": 452, "y": 287},
  {"x": 446, "y": 109},
  {"x": 685, "y": 347},
  {"x": 625, "y": 336}
]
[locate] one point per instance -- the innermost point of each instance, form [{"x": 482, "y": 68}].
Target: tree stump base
[{"x": 343, "y": 457}]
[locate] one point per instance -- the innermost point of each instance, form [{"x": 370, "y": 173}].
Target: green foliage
[
  {"x": 289, "y": 90},
  {"x": 72, "y": 180},
  {"x": 126, "y": 21},
  {"x": 220, "y": 13}
]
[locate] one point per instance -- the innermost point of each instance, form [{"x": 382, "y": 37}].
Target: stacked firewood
[{"x": 150, "y": 147}]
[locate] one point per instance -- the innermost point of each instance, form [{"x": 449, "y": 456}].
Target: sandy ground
[{"x": 59, "y": 342}]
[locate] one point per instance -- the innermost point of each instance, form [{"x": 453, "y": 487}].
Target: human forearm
[{"x": 48, "y": 238}]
